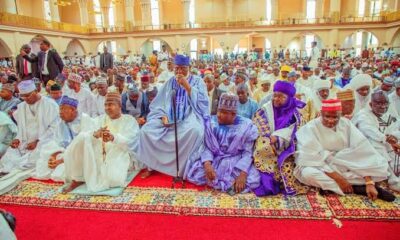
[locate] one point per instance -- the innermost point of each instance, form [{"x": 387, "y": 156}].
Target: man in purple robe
[
  {"x": 226, "y": 162},
  {"x": 277, "y": 123}
]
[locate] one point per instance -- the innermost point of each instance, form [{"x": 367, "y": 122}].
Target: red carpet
[{"x": 49, "y": 223}]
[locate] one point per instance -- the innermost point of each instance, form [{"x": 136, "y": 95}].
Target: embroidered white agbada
[
  {"x": 375, "y": 130},
  {"x": 342, "y": 149},
  {"x": 84, "y": 160},
  {"x": 35, "y": 122},
  {"x": 63, "y": 136},
  {"x": 85, "y": 99}
]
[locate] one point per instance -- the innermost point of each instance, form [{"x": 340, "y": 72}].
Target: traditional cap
[
  {"x": 26, "y": 86},
  {"x": 364, "y": 65},
  {"x": 285, "y": 87},
  {"x": 345, "y": 95},
  {"x": 266, "y": 79},
  {"x": 306, "y": 68},
  {"x": 228, "y": 102},
  {"x": 55, "y": 87},
  {"x": 75, "y": 78},
  {"x": 270, "y": 68},
  {"x": 121, "y": 77},
  {"x": 331, "y": 105},
  {"x": 152, "y": 91},
  {"x": 321, "y": 84},
  {"x": 145, "y": 78},
  {"x": 242, "y": 75},
  {"x": 113, "y": 97},
  {"x": 132, "y": 89},
  {"x": 286, "y": 68},
  {"x": 8, "y": 86},
  {"x": 12, "y": 78},
  {"x": 65, "y": 100},
  {"x": 253, "y": 74},
  {"x": 223, "y": 77},
  {"x": 292, "y": 74},
  {"x": 100, "y": 80},
  {"x": 379, "y": 92},
  {"x": 182, "y": 60},
  {"x": 397, "y": 83},
  {"x": 388, "y": 81},
  {"x": 242, "y": 87},
  {"x": 50, "y": 83}
]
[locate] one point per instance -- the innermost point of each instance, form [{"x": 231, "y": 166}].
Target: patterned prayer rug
[
  {"x": 173, "y": 201},
  {"x": 359, "y": 207}
]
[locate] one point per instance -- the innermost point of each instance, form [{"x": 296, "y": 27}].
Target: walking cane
[{"x": 177, "y": 178}]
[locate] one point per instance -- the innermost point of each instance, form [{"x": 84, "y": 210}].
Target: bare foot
[
  {"x": 146, "y": 173},
  {"x": 72, "y": 186}
]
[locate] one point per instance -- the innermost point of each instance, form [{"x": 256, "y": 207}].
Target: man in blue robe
[
  {"x": 157, "y": 137},
  {"x": 247, "y": 106},
  {"x": 226, "y": 163}
]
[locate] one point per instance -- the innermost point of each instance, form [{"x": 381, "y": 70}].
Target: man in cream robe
[
  {"x": 36, "y": 117},
  {"x": 83, "y": 95},
  {"x": 103, "y": 158},
  {"x": 51, "y": 161},
  {"x": 100, "y": 95},
  {"x": 383, "y": 132},
  {"x": 334, "y": 155}
]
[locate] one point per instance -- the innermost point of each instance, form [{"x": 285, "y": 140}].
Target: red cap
[
  {"x": 145, "y": 78},
  {"x": 331, "y": 105}
]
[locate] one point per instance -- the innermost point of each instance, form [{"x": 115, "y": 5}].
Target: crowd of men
[{"x": 243, "y": 125}]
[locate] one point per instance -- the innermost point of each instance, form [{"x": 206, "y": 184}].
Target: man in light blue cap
[
  {"x": 387, "y": 85},
  {"x": 157, "y": 137}
]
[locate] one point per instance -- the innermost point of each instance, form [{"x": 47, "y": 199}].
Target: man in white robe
[
  {"x": 314, "y": 56},
  {"x": 382, "y": 130},
  {"x": 103, "y": 158},
  {"x": 100, "y": 95},
  {"x": 51, "y": 161},
  {"x": 166, "y": 74},
  {"x": 361, "y": 84},
  {"x": 36, "y": 118},
  {"x": 83, "y": 95},
  {"x": 8, "y": 131},
  {"x": 7, "y": 99},
  {"x": 334, "y": 155},
  {"x": 321, "y": 92},
  {"x": 394, "y": 99}
]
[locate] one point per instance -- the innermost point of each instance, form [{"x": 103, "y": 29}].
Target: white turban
[
  {"x": 359, "y": 81},
  {"x": 266, "y": 79},
  {"x": 321, "y": 84}
]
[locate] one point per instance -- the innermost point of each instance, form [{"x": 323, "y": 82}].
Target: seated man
[
  {"x": 100, "y": 95},
  {"x": 7, "y": 99},
  {"x": 265, "y": 88},
  {"x": 334, "y": 155},
  {"x": 157, "y": 136},
  {"x": 227, "y": 162},
  {"x": 103, "y": 158},
  {"x": 8, "y": 131},
  {"x": 277, "y": 122},
  {"x": 36, "y": 118},
  {"x": 321, "y": 92},
  {"x": 83, "y": 95},
  {"x": 135, "y": 103},
  {"x": 50, "y": 163},
  {"x": 380, "y": 128},
  {"x": 56, "y": 93},
  {"x": 247, "y": 106},
  {"x": 348, "y": 101}
]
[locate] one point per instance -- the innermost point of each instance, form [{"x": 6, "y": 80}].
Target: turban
[
  {"x": 331, "y": 105},
  {"x": 285, "y": 87},
  {"x": 55, "y": 87},
  {"x": 182, "y": 60},
  {"x": 9, "y": 86},
  {"x": 69, "y": 101},
  {"x": 75, "y": 78},
  {"x": 113, "y": 97},
  {"x": 253, "y": 74},
  {"x": 228, "y": 102},
  {"x": 359, "y": 81},
  {"x": 242, "y": 75},
  {"x": 321, "y": 84},
  {"x": 345, "y": 95},
  {"x": 26, "y": 86},
  {"x": 266, "y": 79}
]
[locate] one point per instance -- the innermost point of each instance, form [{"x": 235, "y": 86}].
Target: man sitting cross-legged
[
  {"x": 102, "y": 158},
  {"x": 227, "y": 163},
  {"x": 334, "y": 155},
  {"x": 51, "y": 161}
]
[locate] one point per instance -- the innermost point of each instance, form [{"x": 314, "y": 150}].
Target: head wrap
[
  {"x": 266, "y": 79},
  {"x": 228, "y": 102},
  {"x": 346, "y": 95},
  {"x": 101, "y": 80},
  {"x": 388, "y": 81},
  {"x": 75, "y": 78},
  {"x": 286, "y": 68},
  {"x": 182, "y": 60},
  {"x": 359, "y": 81},
  {"x": 55, "y": 87},
  {"x": 8, "y": 86},
  {"x": 65, "y": 100},
  {"x": 26, "y": 86},
  {"x": 331, "y": 105},
  {"x": 284, "y": 114},
  {"x": 113, "y": 97},
  {"x": 321, "y": 84}
]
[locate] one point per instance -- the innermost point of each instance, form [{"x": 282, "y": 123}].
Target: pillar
[
  {"x": 105, "y": 9},
  {"x": 146, "y": 12},
  {"x": 130, "y": 13},
  {"x": 83, "y": 12},
  {"x": 186, "y": 6}
]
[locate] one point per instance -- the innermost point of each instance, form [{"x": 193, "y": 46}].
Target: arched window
[
  {"x": 311, "y": 8},
  {"x": 192, "y": 13},
  {"x": 193, "y": 49},
  {"x": 98, "y": 17},
  {"x": 375, "y": 7},
  {"x": 155, "y": 13},
  {"x": 47, "y": 10},
  {"x": 268, "y": 14}
]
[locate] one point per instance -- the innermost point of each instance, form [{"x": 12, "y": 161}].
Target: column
[
  {"x": 274, "y": 7},
  {"x": 319, "y": 9},
  {"x": 186, "y": 5},
  {"x": 229, "y": 9},
  {"x": 130, "y": 13},
  {"x": 55, "y": 16},
  {"x": 83, "y": 12},
  {"x": 334, "y": 11},
  {"x": 105, "y": 9},
  {"x": 146, "y": 12}
]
